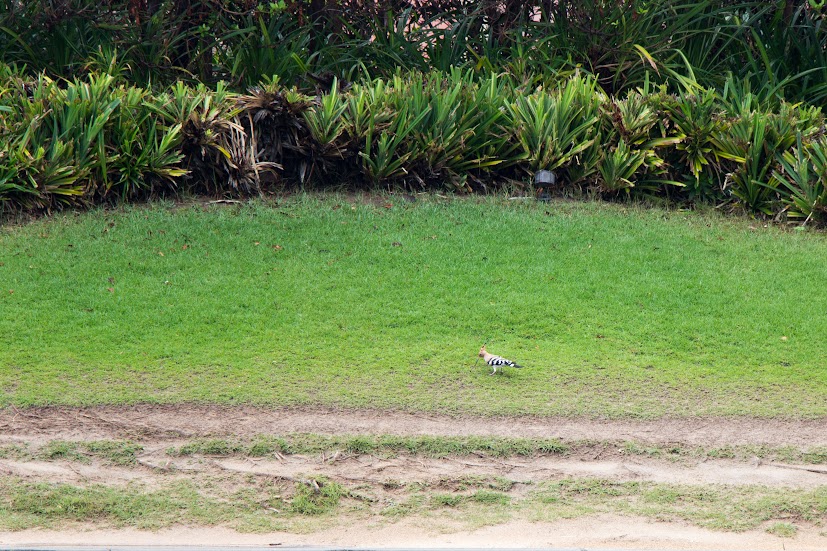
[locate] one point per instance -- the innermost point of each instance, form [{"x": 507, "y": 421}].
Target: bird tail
[{"x": 516, "y": 365}]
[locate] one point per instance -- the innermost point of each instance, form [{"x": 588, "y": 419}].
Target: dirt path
[
  {"x": 599, "y": 532},
  {"x": 376, "y": 470},
  {"x": 157, "y": 428},
  {"x": 176, "y": 421}
]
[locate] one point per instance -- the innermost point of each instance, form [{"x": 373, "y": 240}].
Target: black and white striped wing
[{"x": 497, "y": 361}]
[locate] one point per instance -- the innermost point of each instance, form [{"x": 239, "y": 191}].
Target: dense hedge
[
  {"x": 98, "y": 139},
  {"x": 779, "y": 48}
]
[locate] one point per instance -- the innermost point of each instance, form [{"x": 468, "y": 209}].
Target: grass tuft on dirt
[
  {"x": 316, "y": 497},
  {"x": 715, "y": 507},
  {"x": 125, "y": 452},
  {"x": 429, "y": 446},
  {"x": 266, "y": 505},
  {"x": 443, "y": 446}
]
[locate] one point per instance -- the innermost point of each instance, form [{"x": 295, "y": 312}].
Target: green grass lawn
[{"x": 614, "y": 310}]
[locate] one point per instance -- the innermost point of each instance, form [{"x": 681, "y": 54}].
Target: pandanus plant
[
  {"x": 554, "y": 129},
  {"x": 273, "y": 116}
]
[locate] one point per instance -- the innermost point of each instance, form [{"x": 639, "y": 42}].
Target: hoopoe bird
[{"x": 496, "y": 361}]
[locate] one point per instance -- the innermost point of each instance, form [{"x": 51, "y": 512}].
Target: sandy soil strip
[
  {"x": 187, "y": 420},
  {"x": 604, "y": 532},
  {"x": 356, "y": 469}
]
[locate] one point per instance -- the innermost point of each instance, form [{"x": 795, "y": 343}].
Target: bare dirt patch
[
  {"x": 607, "y": 532},
  {"x": 155, "y": 464},
  {"x": 159, "y": 428},
  {"x": 176, "y": 421}
]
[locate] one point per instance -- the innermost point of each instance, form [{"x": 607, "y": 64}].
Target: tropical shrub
[
  {"x": 803, "y": 172},
  {"x": 95, "y": 139},
  {"x": 83, "y": 141},
  {"x": 635, "y": 125},
  {"x": 554, "y": 128}
]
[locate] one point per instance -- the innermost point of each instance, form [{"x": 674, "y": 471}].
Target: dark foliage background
[
  {"x": 679, "y": 100},
  {"x": 776, "y": 48}
]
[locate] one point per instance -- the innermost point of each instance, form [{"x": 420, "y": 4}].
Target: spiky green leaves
[
  {"x": 80, "y": 141},
  {"x": 553, "y": 128},
  {"x": 93, "y": 139}
]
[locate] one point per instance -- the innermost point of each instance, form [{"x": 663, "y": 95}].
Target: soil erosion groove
[{"x": 195, "y": 420}]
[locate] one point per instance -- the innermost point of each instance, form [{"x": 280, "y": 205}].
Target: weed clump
[
  {"x": 316, "y": 496},
  {"x": 208, "y": 447},
  {"x": 783, "y": 530}
]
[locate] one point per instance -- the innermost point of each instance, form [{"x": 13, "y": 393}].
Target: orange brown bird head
[{"x": 482, "y": 352}]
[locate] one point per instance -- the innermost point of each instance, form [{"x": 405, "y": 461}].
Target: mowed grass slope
[{"x": 614, "y": 310}]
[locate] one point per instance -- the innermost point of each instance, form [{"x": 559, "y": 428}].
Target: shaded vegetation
[{"x": 776, "y": 48}]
